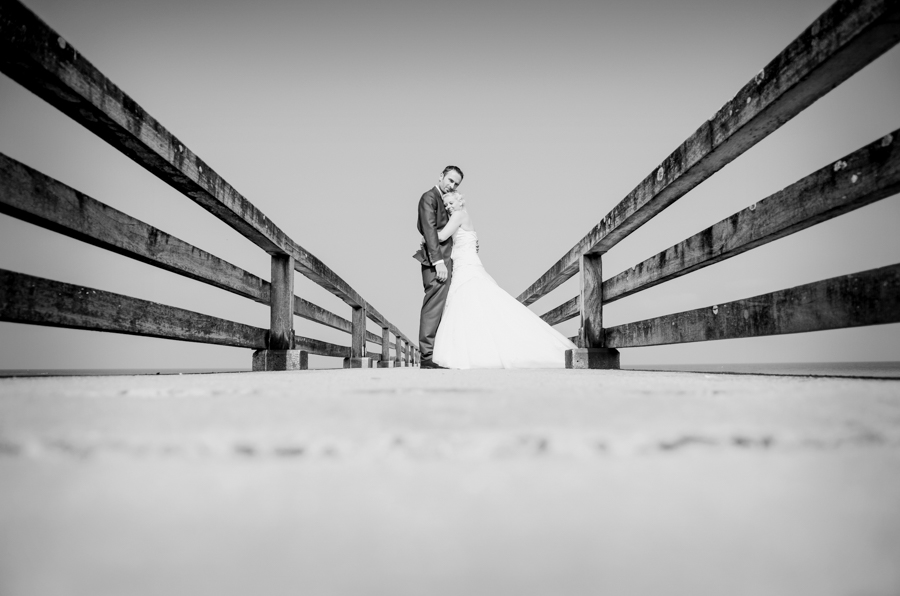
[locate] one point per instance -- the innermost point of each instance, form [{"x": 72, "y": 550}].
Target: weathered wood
[
  {"x": 385, "y": 344},
  {"x": 565, "y": 311},
  {"x": 312, "y": 312},
  {"x": 591, "y": 301},
  {"x": 320, "y": 348},
  {"x": 39, "y": 301},
  {"x": 358, "y": 333},
  {"x": 36, "y": 198},
  {"x": 868, "y": 298},
  {"x": 845, "y": 38},
  {"x": 39, "y": 59},
  {"x": 281, "y": 310},
  {"x": 863, "y": 177}
]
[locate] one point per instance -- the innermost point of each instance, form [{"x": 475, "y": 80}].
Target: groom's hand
[{"x": 441, "y": 271}]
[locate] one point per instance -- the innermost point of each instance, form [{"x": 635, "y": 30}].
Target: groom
[{"x": 437, "y": 268}]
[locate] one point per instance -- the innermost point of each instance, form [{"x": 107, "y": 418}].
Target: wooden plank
[
  {"x": 845, "y": 38},
  {"x": 312, "y": 312},
  {"x": 868, "y": 298},
  {"x": 863, "y": 177},
  {"x": 565, "y": 311},
  {"x": 36, "y": 198},
  {"x": 591, "y": 301},
  {"x": 281, "y": 319},
  {"x": 321, "y": 348},
  {"x": 358, "y": 333},
  {"x": 385, "y": 344},
  {"x": 38, "y": 301},
  {"x": 34, "y": 55},
  {"x": 38, "y": 58}
]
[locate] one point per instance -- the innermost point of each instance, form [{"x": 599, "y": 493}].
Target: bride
[{"x": 483, "y": 326}]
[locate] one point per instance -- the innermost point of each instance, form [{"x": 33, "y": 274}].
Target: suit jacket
[{"x": 432, "y": 217}]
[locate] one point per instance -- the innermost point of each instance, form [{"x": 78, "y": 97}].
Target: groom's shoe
[{"x": 429, "y": 363}]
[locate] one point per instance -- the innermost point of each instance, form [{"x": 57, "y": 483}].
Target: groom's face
[{"x": 449, "y": 181}]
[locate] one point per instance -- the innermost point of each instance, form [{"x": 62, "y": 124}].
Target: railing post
[
  {"x": 358, "y": 358},
  {"x": 386, "y": 361},
  {"x": 279, "y": 354},
  {"x": 591, "y": 352}
]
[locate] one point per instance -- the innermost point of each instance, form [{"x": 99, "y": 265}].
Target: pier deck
[{"x": 407, "y": 481}]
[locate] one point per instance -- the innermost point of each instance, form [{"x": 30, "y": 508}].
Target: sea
[{"x": 878, "y": 370}]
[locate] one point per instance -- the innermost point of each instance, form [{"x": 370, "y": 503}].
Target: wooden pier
[{"x": 411, "y": 481}]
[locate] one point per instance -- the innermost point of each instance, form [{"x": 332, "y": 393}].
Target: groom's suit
[{"x": 432, "y": 217}]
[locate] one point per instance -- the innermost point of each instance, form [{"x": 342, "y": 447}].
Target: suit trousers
[{"x": 432, "y": 307}]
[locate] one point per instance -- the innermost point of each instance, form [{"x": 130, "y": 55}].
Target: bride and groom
[{"x": 467, "y": 320}]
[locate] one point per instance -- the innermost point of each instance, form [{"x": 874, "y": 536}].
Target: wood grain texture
[
  {"x": 312, "y": 312},
  {"x": 861, "y": 178},
  {"x": 385, "y": 344},
  {"x": 565, "y": 311},
  {"x": 38, "y": 58},
  {"x": 38, "y": 199},
  {"x": 845, "y": 38},
  {"x": 39, "y": 301},
  {"x": 41, "y": 200},
  {"x": 358, "y": 333},
  {"x": 591, "y": 301},
  {"x": 281, "y": 311},
  {"x": 320, "y": 348},
  {"x": 867, "y": 298}
]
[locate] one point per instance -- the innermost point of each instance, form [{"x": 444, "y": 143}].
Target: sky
[{"x": 333, "y": 117}]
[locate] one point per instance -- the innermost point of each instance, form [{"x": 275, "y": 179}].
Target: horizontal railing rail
[
  {"x": 846, "y": 37},
  {"x": 867, "y": 298},
  {"x": 36, "y": 57}
]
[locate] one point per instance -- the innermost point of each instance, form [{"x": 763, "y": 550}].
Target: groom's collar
[{"x": 438, "y": 188}]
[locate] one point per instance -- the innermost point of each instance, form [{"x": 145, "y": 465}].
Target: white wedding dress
[{"x": 484, "y": 327}]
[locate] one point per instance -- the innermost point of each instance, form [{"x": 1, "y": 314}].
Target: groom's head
[{"x": 450, "y": 179}]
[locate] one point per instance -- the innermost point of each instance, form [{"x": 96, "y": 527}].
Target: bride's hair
[{"x": 456, "y": 197}]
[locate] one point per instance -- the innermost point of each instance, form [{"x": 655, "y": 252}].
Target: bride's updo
[{"x": 454, "y": 201}]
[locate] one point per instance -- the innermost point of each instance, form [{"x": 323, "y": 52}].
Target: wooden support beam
[
  {"x": 591, "y": 301},
  {"x": 385, "y": 344},
  {"x": 861, "y": 178},
  {"x": 38, "y": 301},
  {"x": 868, "y": 298},
  {"x": 358, "y": 334},
  {"x": 281, "y": 311},
  {"x": 38, "y": 199},
  {"x": 844, "y": 39}
]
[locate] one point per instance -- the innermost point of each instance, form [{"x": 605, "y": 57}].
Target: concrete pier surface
[{"x": 420, "y": 482}]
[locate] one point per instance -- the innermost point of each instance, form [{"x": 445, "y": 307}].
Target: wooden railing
[
  {"x": 36, "y": 57},
  {"x": 844, "y": 39}
]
